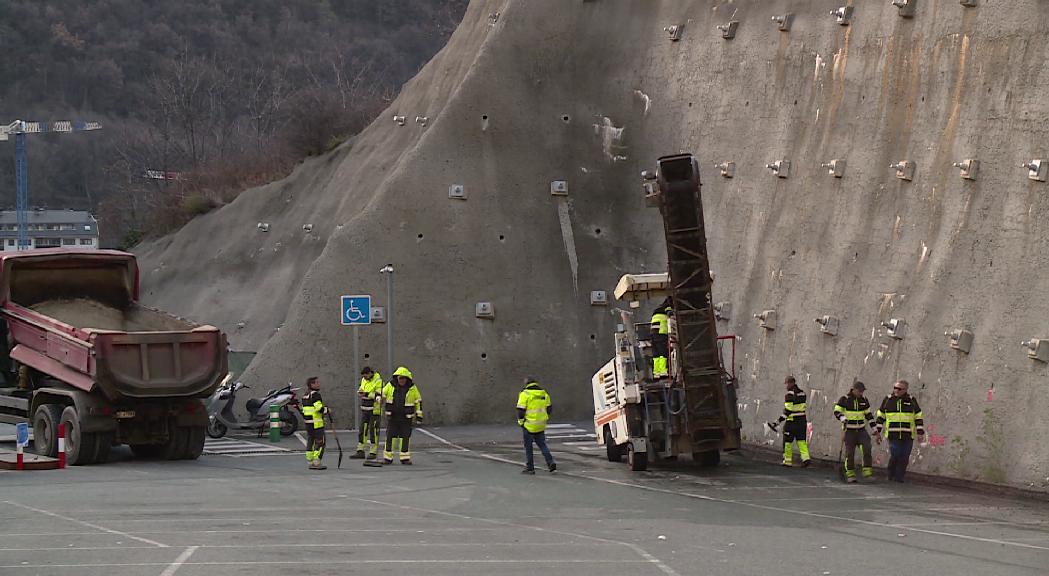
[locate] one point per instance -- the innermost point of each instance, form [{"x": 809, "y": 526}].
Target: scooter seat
[{"x": 253, "y": 405}]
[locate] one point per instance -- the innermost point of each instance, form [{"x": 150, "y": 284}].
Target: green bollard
[{"x": 274, "y": 423}]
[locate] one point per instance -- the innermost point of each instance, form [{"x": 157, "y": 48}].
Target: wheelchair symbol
[
  {"x": 356, "y": 310},
  {"x": 353, "y": 313}
]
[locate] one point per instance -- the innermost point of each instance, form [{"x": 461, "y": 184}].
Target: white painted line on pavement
[
  {"x": 174, "y": 566},
  {"x": 442, "y": 440},
  {"x": 400, "y": 544},
  {"x": 786, "y": 510},
  {"x": 650, "y": 559},
  {"x": 88, "y": 524},
  {"x": 329, "y": 563},
  {"x": 561, "y": 426},
  {"x": 303, "y": 440}
]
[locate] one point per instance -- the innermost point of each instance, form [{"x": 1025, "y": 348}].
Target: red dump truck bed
[
  {"x": 83, "y": 355},
  {"x": 74, "y": 314}
]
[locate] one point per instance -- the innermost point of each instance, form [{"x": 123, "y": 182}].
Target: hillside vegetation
[{"x": 226, "y": 93}]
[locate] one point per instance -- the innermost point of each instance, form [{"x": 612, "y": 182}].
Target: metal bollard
[
  {"x": 19, "y": 461},
  {"x": 61, "y": 446},
  {"x": 274, "y": 423}
]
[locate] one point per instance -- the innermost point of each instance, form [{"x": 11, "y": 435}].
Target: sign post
[
  {"x": 356, "y": 310},
  {"x": 21, "y": 439}
]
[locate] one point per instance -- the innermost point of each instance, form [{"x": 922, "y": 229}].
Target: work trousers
[
  {"x": 540, "y": 439},
  {"x": 853, "y": 439},
  {"x": 795, "y": 431},
  {"x": 660, "y": 351},
  {"x": 398, "y": 437},
  {"x": 368, "y": 435},
  {"x": 314, "y": 443},
  {"x": 899, "y": 457}
]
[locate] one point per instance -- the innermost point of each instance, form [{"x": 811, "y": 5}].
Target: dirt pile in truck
[{"x": 92, "y": 314}]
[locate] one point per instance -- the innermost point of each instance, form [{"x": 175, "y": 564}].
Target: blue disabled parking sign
[
  {"x": 22, "y": 434},
  {"x": 356, "y": 310}
]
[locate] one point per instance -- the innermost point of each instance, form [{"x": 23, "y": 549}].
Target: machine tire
[
  {"x": 613, "y": 451},
  {"x": 638, "y": 460},
  {"x": 146, "y": 451},
  {"x": 194, "y": 442},
  {"x": 216, "y": 429},
  {"x": 288, "y": 422},
  {"x": 80, "y": 446},
  {"x": 45, "y": 429},
  {"x": 707, "y": 459},
  {"x": 175, "y": 448}
]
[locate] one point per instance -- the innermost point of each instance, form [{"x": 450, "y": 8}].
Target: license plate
[{"x": 126, "y": 414}]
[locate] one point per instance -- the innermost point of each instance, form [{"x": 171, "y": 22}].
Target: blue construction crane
[{"x": 19, "y": 129}]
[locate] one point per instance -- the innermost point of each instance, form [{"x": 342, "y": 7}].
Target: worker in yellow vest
[
  {"x": 404, "y": 407},
  {"x": 533, "y": 412},
  {"x": 370, "y": 393},
  {"x": 313, "y": 412}
]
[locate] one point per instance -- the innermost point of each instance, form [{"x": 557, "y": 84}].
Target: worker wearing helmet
[{"x": 403, "y": 405}]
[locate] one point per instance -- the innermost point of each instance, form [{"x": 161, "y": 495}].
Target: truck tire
[
  {"x": 613, "y": 451},
  {"x": 80, "y": 446},
  {"x": 175, "y": 448},
  {"x": 45, "y": 429},
  {"x": 638, "y": 460},
  {"x": 707, "y": 459},
  {"x": 288, "y": 422},
  {"x": 103, "y": 444},
  {"x": 194, "y": 443}
]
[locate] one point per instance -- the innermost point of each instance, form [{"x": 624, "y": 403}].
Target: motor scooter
[{"x": 221, "y": 418}]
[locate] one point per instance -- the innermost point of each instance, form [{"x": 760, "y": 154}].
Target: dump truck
[
  {"x": 81, "y": 351},
  {"x": 692, "y": 408}
]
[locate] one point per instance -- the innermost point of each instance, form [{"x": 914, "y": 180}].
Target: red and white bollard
[
  {"x": 19, "y": 462},
  {"x": 61, "y": 446}
]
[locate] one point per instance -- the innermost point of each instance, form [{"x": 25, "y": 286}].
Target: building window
[
  {"x": 69, "y": 241},
  {"x": 87, "y": 227},
  {"x": 66, "y": 227},
  {"x": 48, "y": 242},
  {"x": 86, "y": 242},
  {"x": 10, "y": 242}
]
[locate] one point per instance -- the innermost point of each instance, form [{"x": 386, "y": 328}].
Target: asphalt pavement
[{"x": 250, "y": 507}]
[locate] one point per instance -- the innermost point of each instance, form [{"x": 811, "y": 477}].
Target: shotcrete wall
[{"x": 591, "y": 92}]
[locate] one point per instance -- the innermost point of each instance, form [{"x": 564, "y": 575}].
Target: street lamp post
[{"x": 388, "y": 271}]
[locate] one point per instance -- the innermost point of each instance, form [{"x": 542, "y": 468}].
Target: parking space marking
[
  {"x": 174, "y": 566},
  {"x": 88, "y": 524},
  {"x": 234, "y": 448}
]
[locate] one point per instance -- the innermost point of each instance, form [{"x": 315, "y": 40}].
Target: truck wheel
[
  {"x": 45, "y": 429},
  {"x": 288, "y": 422},
  {"x": 707, "y": 459},
  {"x": 194, "y": 442},
  {"x": 613, "y": 451},
  {"x": 80, "y": 447},
  {"x": 175, "y": 448},
  {"x": 638, "y": 460},
  {"x": 103, "y": 443},
  {"x": 216, "y": 429}
]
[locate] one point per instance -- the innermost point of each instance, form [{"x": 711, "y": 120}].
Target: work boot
[
  {"x": 387, "y": 461},
  {"x": 553, "y": 467},
  {"x": 359, "y": 455},
  {"x": 406, "y": 461},
  {"x": 528, "y": 471},
  {"x": 851, "y": 480},
  {"x": 316, "y": 465},
  {"x": 805, "y": 463}
]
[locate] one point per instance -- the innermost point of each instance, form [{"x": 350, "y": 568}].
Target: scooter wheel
[{"x": 216, "y": 429}]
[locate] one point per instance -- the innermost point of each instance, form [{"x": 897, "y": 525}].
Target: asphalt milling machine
[{"x": 692, "y": 409}]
